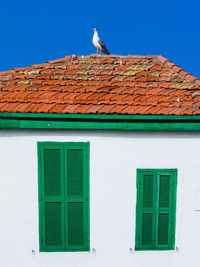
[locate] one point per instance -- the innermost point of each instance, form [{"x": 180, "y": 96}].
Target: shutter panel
[
  {"x": 163, "y": 183},
  {"x": 75, "y": 172},
  {"x": 75, "y": 225},
  {"x": 77, "y": 200},
  {"x": 52, "y": 198},
  {"x": 166, "y": 203},
  {"x": 145, "y": 209},
  {"x": 52, "y": 172},
  {"x": 148, "y": 210},
  {"x": 147, "y": 229},
  {"x": 53, "y": 232},
  {"x": 163, "y": 229}
]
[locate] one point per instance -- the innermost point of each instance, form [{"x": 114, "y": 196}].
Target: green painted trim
[
  {"x": 100, "y": 125},
  {"x": 98, "y": 116},
  {"x": 63, "y": 146},
  {"x": 99, "y": 122},
  {"x": 156, "y": 173}
]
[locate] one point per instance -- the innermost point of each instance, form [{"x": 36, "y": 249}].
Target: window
[
  {"x": 156, "y": 209},
  {"x": 63, "y": 170}
]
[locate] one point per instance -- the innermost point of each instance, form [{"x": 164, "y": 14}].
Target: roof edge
[
  {"x": 177, "y": 69},
  {"x": 95, "y": 124},
  {"x": 161, "y": 118}
]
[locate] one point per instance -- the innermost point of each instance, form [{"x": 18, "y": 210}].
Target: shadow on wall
[{"x": 100, "y": 133}]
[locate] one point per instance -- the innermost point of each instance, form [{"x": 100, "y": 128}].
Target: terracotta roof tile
[
  {"x": 70, "y": 108},
  {"x": 101, "y": 84},
  {"x": 105, "y": 109}
]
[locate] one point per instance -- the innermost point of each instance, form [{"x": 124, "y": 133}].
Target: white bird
[{"x": 99, "y": 44}]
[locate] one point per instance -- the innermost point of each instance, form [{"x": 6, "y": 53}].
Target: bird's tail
[{"x": 106, "y": 51}]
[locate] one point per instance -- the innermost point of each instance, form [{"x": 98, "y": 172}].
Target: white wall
[{"x": 114, "y": 157}]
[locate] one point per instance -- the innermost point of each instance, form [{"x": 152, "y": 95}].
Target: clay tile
[
  {"x": 169, "y": 64},
  {"x": 34, "y": 108},
  {"x": 129, "y": 110},
  {"x": 82, "y": 109},
  {"x": 70, "y": 108},
  {"x": 74, "y": 57},
  {"x": 117, "y": 109},
  {"x": 162, "y": 59},
  {"x": 94, "y": 108},
  {"x": 21, "y": 69},
  {"x": 23, "y": 107},
  {"x": 176, "y": 68},
  {"x": 191, "y": 78},
  {"x": 183, "y": 73},
  {"x": 105, "y": 109},
  {"x": 142, "y": 109},
  {"x": 44, "y": 108},
  {"x": 57, "y": 60},
  {"x": 197, "y": 82}
]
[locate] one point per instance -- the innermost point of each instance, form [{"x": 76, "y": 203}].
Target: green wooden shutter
[
  {"x": 155, "y": 211},
  {"x": 52, "y": 198},
  {"x": 77, "y": 197},
  {"x": 146, "y": 188},
  {"x": 63, "y": 196},
  {"x": 166, "y": 182}
]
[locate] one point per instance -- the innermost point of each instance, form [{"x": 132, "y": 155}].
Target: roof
[{"x": 145, "y": 85}]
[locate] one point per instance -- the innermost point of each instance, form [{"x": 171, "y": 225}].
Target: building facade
[{"x": 100, "y": 167}]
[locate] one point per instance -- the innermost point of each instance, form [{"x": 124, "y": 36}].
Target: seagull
[{"x": 100, "y": 46}]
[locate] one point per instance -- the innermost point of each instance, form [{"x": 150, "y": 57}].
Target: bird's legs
[{"x": 97, "y": 51}]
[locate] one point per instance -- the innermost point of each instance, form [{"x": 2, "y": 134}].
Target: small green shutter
[
  {"x": 155, "y": 213},
  {"x": 64, "y": 196}
]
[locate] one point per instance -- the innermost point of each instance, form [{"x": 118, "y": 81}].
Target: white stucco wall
[{"x": 114, "y": 158}]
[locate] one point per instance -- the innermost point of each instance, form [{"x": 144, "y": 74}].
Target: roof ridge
[{"x": 177, "y": 69}]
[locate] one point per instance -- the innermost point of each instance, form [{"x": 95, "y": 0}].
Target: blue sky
[{"x": 34, "y": 32}]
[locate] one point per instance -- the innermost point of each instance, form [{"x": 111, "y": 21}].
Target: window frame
[
  {"x": 86, "y": 163},
  {"x": 172, "y": 209}
]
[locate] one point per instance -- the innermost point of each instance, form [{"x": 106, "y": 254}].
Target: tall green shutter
[
  {"x": 147, "y": 208},
  {"x": 76, "y": 196},
  {"x": 155, "y": 211},
  {"x": 63, "y": 196}
]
